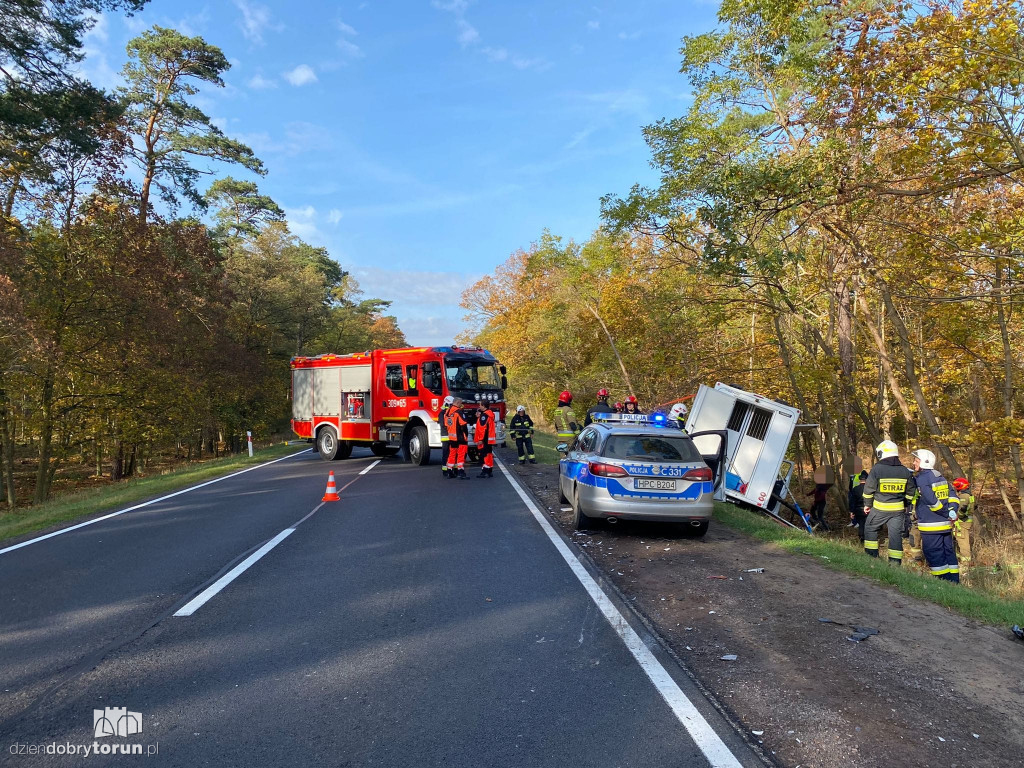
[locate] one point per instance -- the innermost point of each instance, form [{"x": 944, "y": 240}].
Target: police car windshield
[
  {"x": 666, "y": 448},
  {"x": 473, "y": 375}
]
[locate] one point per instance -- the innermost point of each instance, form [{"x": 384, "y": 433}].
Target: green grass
[
  {"x": 844, "y": 556},
  {"x": 543, "y": 447},
  {"x": 75, "y": 506}
]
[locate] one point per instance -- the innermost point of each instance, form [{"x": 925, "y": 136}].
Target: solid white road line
[
  {"x": 370, "y": 467},
  {"x": 703, "y": 735},
  {"x": 147, "y": 503},
  {"x": 199, "y": 600}
]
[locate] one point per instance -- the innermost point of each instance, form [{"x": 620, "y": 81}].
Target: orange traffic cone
[{"x": 332, "y": 490}]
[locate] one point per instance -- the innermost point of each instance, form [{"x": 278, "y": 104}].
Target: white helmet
[
  {"x": 678, "y": 410},
  {"x": 520, "y": 408},
  {"x": 887, "y": 449},
  {"x": 926, "y": 457},
  {"x": 449, "y": 400}
]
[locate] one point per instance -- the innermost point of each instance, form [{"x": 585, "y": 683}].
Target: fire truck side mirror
[
  {"x": 504, "y": 382},
  {"x": 502, "y": 370}
]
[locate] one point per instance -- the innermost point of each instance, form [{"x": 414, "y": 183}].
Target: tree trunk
[
  {"x": 611, "y": 343},
  {"x": 883, "y": 357},
  {"x": 1008, "y": 382},
  {"x": 934, "y": 429},
  {"x": 7, "y": 449},
  {"x": 43, "y": 474}
]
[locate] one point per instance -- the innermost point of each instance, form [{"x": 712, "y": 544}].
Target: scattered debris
[
  {"x": 723, "y": 578},
  {"x": 942, "y": 740},
  {"x": 710, "y": 612},
  {"x": 488, "y": 600},
  {"x": 862, "y": 633},
  {"x": 975, "y": 735},
  {"x": 758, "y": 733},
  {"x": 1018, "y": 631},
  {"x": 729, "y": 657},
  {"x": 754, "y": 570},
  {"x": 566, "y": 509}
]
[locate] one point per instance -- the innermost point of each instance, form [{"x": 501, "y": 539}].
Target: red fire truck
[{"x": 388, "y": 399}]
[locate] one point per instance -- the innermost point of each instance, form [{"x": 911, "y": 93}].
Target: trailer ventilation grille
[
  {"x": 759, "y": 422},
  {"x": 739, "y": 413}
]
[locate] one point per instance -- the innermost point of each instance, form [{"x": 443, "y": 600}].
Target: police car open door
[{"x": 713, "y": 444}]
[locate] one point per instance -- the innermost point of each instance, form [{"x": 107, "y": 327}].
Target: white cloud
[
  {"x": 467, "y": 33},
  {"x": 345, "y": 29},
  {"x": 469, "y": 36},
  {"x": 334, "y": 216},
  {"x": 302, "y": 222},
  {"x": 301, "y": 75},
  {"x": 496, "y": 54},
  {"x": 100, "y": 29},
  {"x": 538, "y": 64},
  {"x": 418, "y": 288},
  {"x": 629, "y": 35},
  {"x": 260, "y": 83},
  {"x": 255, "y": 19},
  {"x": 220, "y": 122},
  {"x": 593, "y": 25},
  {"x": 452, "y": 6},
  {"x": 348, "y": 48},
  {"x": 580, "y": 136}
]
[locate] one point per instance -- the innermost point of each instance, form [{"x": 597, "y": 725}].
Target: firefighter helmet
[
  {"x": 618, "y": 407},
  {"x": 565, "y": 397},
  {"x": 631, "y": 399},
  {"x": 887, "y": 449},
  {"x": 602, "y": 392},
  {"x": 926, "y": 457},
  {"x": 961, "y": 484},
  {"x": 449, "y": 400},
  {"x": 520, "y": 408},
  {"x": 678, "y": 410}
]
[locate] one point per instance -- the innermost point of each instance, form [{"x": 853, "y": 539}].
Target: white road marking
[
  {"x": 703, "y": 735},
  {"x": 199, "y": 600},
  {"x": 147, "y": 503},
  {"x": 370, "y": 467}
]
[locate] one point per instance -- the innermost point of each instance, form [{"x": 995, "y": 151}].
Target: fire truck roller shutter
[{"x": 302, "y": 394}]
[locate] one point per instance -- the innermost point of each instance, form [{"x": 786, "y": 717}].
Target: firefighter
[
  {"x": 521, "y": 427},
  {"x": 962, "y": 526},
  {"x": 601, "y": 406},
  {"x": 458, "y": 441},
  {"x": 677, "y": 413},
  {"x": 936, "y": 511},
  {"x": 565, "y": 419},
  {"x": 486, "y": 438},
  {"x": 885, "y": 493},
  {"x": 445, "y": 445},
  {"x": 855, "y": 497},
  {"x": 631, "y": 405},
  {"x": 618, "y": 407}
]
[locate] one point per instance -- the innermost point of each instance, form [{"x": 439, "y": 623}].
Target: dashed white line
[
  {"x": 147, "y": 503},
  {"x": 199, "y": 600},
  {"x": 703, "y": 735},
  {"x": 370, "y": 467}
]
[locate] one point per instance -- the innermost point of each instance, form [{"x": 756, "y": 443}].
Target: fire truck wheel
[
  {"x": 327, "y": 444},
  {"x": 417, "y": 446},
  {"x": 344, "y": 449}
]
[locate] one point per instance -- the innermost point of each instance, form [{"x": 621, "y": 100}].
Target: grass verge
[
  {"x": 543, "y": 447},
  {"x": 843, "y": 556},
  {"x": 76, "y": 506}
]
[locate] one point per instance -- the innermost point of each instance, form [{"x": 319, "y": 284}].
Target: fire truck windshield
[{"x": 473, "y": 375}]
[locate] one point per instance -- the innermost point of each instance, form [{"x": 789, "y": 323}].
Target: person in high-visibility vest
[
  {"x": 885, "y": 500},
  {"x": 521, "y": 428},
  {"x": 936, "y": 511},
  {"x": 445, "y": 443},
  {"x": 486, "y": 438},
  {"x": 565, "y": 420},
  {"x": 962, "y": 526},
  {"x": 458, "y": 440}
]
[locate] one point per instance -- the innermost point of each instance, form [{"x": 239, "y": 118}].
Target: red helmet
[
  {"x": 631, "y": 399},
  {"x": 602, "y": 392},
  {"x": 618, "y": 407},
  {"x": 565, "y": 397},
  {"x": 961, "y": 484}
]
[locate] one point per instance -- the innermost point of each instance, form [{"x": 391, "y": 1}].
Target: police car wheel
[
  {"x": 561, "y": 496},
  {"x": 580, "y": 521}
]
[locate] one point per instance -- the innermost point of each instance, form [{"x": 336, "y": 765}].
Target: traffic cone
[{"x": 332, "y": 490}]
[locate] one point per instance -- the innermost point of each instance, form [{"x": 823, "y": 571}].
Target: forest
[
  {"x": 837, "y": 225},
  {"x": 149, "y": 301}
]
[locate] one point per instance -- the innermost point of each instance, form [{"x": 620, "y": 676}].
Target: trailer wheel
[
  {"x": 417, "y": 446},
  {"x": 327, "y": 444}
]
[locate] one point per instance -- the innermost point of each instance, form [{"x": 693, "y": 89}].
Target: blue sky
[{"x": 424, "y": 142}]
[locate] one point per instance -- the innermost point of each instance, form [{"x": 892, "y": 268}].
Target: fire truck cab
[{"x": 388, "y": 400}]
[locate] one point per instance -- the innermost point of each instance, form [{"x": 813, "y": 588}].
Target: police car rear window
[{"x": 651, "y": 448}]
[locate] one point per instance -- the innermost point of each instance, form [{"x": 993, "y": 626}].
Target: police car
[{"x": 639, "y": 467}]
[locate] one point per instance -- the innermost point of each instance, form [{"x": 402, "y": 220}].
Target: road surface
[{"x": 417, "y": 622}]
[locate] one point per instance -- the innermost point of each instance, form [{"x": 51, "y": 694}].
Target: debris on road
[
  {"x": 758, "y": 733},
  {"x": 723, "y": 578},
  {"x": 1018, "y": 631},
  {"x": 729, "y": 657},
  {"x": 754, "y": 570}
]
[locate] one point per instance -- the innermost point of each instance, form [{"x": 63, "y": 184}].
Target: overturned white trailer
[{"x": 757, "y": 472}]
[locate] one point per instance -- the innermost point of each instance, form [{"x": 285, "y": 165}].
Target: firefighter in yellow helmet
[{"x": 885, "y": 501}]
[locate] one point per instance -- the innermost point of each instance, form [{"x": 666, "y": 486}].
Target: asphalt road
[{"x": 417, "y": 622}]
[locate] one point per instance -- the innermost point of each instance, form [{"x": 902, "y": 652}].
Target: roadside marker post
[{"x": 249, "y": 436}]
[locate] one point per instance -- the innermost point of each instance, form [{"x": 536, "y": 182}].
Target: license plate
[{"x": 648, "y": 484}]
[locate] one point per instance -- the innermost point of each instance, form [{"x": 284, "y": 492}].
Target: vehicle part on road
[
  {"x": 729, "y": 657},
  {"x": 754, "y": 570},
  {"x": 1018, "y": 632},
  {"x": 332, "y": 489}
]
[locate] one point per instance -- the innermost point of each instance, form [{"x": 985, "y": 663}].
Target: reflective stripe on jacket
[
  {"x": 886, "y": 486},
  {"x": 486, "y": 428},
  {"x": 458, "y": 430},
  {"x": 442, "y": 423},
  {"x": 521, "y": 426},
  {"x": 932, "y": 501},
  {"x": 565, "y": 422}
]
